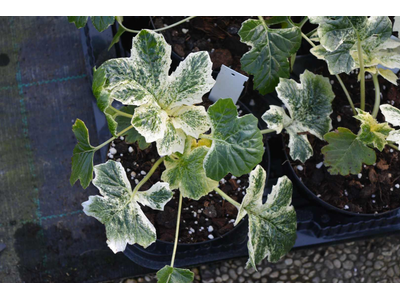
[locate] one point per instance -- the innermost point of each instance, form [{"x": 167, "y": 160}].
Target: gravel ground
[{"x": 372, "y": 260}]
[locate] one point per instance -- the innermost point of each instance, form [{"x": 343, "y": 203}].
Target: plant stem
[
  {"x": 227, "y": 198},
  {"x": 301, "y": 24},
  {"x": 362, "y": 74},
  {"x": 377, "y": 95},
  {"x": 337, "y": 77},
  {"x": 178, "y": 221},
  {"x": 267, "y": 131},
  {"x": 346, "y": 93},
  {"x": 155, "y": 30},
  {"x": 120, "y": 113},
  {"x": 147, "y": 177},
  {"x": 312, "y": 32},
  {"x": 113, "y": 138},
  {"x": 393, "y": 146}
]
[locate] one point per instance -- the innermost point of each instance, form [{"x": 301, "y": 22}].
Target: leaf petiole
[
  {"x": 178, "y": 219},
  {"x": 147, "y": 177},
  {"x": 155, "y": 30},
  {"x": 265, "y": 131},
  {"x": 390, "y": 144},
  {"x": 113, "y": 138},
  {"x": 120, "y": 113},
  {"x": 362, "y": 74},
  {"x": 377, "y": 95},
  {"x": 227, "y": 198}
]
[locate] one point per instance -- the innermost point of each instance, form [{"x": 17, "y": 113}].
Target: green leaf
[
  {"x": 237, "y": 145},
  {"x": 78, "y": 21},
  {"x": 104, "y": 99},
  {"x": 119, "y": 210},
  {"x": 272, "y": 226},
  {"x": 174, "y": 275},
  {"x": 309, "y": 104},
  {"x": 101, "y": 23},
  {"x": 190, "y": 81},
  {"x": 187, "y": 173},
  {"x": 372, "y": 133},
  {"x": 391, "y": 113},
  {"x": 339, "y": 37},
  {"x": 131, "y": 135},
  {"x": 345, "y": 154},
  {"x": 271, "y": 49},
  {"x": 82, "y": 159},
  {"x": 116, "y": 37}
]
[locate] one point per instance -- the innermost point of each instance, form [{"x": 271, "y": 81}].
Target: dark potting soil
[
  {"x": 376, "y": 188},
  {"x": 201, "y": 220}
]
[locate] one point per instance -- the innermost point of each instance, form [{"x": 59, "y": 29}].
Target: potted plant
[
  {"x": 353, "y": 167},
  {"x": 197, "y": 148}
]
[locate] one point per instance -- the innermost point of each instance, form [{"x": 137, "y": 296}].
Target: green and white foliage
[
  {"x": 174, "y": 275},
  {"x": 119, "y": 210},
  {"x": 82, "y": 159},
  {"x": 187, "y": 173},
  {"x": 392, "y": 116},
  {"x": 309, "y": 104},
  {"x": 345, "y": 153},
  {"x": 371, "y": 132},
  {"x": 340, "y": 36},
  {"x": 237, "y": 145},
  {"x": 165, "y": 111},
  {"x": 101, "y": 23},
  {"x": 272, "y": 226},
  {"x": 268, "y": 60}
]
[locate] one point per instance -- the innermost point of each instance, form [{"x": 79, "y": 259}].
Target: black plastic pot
[{"x": 157, "y": 255}]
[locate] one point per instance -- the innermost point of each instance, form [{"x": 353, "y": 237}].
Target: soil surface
[
  {"x": 205, "y": 219},
  {"x": 376, "y": 188}
]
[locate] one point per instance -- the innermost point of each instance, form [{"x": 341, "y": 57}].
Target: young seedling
[{"x": 161, "y": 108}]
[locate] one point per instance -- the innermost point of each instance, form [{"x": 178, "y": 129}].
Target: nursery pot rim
[{"x": 313, "y": 197}]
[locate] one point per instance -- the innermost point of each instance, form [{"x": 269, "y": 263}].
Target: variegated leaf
[
  {"x": 391, "y": 113},
  {"x": 276, "y": 118},
  {"x": 268, "y": 60},
  {"x": 143, "y": 77},
  {"x": 174, "y": 275},
  {"x": 309, "y": 104},
  {"x": 119, "y": 210},
  {"x": 345, "y": 153},
  {"x": 193, "y": 120},
  {"x": 190, "y": 81},
  {"x": 272, "y": 226},
  {"x": 237, "y": 145},
  {"x": 150, "y": 121},
  {"x": 389, "y": 75},
  {"x": 394, "y": 136},
  {"x": 371, "y": 132},
  {"x": 172, "y": 141},
  {"x": 339, "y": 37},
  {"x": 187, "y": 173}
]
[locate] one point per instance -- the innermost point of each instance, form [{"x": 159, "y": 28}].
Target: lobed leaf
[
  {"x": 78, "y": 21},
  {"x": 272, "y": 226},
  {"x": 119, "y": 210},
  {"x": 339, "y": 37},
  {"x": 187, "y": 173},
  {"x": 268, "y": 60},
  {"x": 237, "y": 145},
  {"x": 193, "y": 120},
  {"x": 101, "y": 23},
  {"x": 309, "y": 104},
  {"x": 371, "y": 132},
  {"x": 82, "y": 158},
  {"x": 394, "y": 136},
  {"x": 174, "y": 275},
  {"x": 345, "y": 154}
]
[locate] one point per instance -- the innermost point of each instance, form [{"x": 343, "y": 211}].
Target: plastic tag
[{"x": 229, "y": 84}]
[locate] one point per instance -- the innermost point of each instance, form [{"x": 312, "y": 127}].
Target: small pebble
[
  {"x": 300, "y": 168},
  {"x": 130, "y": 149},
  {"x": 319, "y": 165}
]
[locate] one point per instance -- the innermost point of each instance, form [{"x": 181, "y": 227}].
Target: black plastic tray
[{"x": 316, "y": 224}]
